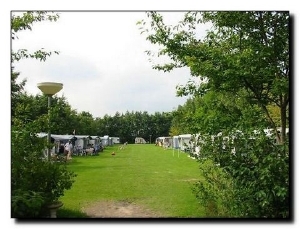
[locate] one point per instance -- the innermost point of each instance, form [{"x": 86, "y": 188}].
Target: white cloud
[{"x": 102, "y": 63}]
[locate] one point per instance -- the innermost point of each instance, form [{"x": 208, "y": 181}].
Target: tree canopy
[{"x": 243, "y": 50}]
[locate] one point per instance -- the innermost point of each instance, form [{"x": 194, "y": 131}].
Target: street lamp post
[
  {"x": 49, "y": 89},
  {"x": 150, "y": 138}
]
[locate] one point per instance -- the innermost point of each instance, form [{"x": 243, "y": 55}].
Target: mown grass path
[{"x": 146, "y": 175}]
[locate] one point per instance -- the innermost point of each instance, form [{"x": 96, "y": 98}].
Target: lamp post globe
[{"x": 49, "y": 89}]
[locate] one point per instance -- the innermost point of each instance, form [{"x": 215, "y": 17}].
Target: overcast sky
[{"x": 102, "y": 63}]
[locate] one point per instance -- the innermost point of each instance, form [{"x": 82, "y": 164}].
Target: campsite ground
[
  {"x": 118, "y": 209},
  {"x": 140, "y": 181}
]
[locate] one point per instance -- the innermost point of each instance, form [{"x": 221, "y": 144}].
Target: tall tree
[
  {"x": 85, "y": 124},
  {"x": 215, "y": 112},
  {"x": 246, "y": 50}
]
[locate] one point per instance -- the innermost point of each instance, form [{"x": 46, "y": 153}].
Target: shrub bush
[
  {"x": 215, "y": 192},
  {"x": 26, "y": 204},
  {"x": 35, "y": 181},
  {"x": 252, "y": 169}
]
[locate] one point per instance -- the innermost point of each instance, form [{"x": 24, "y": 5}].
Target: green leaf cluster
[
  {"x": 256, "y": 170},
  {"x": 35, "y": 181},
  {"x": 24, "y": 21}
]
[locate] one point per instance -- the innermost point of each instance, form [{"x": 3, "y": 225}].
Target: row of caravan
[
  {"x": 185, "y": 142},
  {"x": 81, "y": 141}
]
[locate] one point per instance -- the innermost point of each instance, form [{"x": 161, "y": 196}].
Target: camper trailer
[
  {"x": 165, "y": 142},
  {"x": 139, "y": 140},
  {"x": 184, "y": 142},
  {"x": 116, "y": 140}
]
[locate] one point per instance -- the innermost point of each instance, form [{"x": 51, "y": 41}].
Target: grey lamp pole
[
  {"x": 49, "y": 128},
  {"x": 49, "y": 89}
]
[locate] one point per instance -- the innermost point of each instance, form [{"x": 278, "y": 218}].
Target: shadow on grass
[
  {"x": 67, "y": 214},
  {"x": 62, "y": 214}
]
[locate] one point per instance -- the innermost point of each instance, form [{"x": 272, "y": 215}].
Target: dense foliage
[
  {"x": 135, "y": 124},
  {"x": 28, "y": 110},
  {"x": 35, "y": 181},
  {"x": 246, "y": 175},
  {"x": 216, "y": 111}
]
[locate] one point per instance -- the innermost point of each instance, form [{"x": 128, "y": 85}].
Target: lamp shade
[{"x": 50, "y": 88}]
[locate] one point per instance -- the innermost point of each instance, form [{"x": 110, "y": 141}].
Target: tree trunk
[
  {"x": 278, "y": 137},
  {"x": 283, "y": 123}
]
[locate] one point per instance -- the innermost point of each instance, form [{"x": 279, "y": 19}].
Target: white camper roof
[
  {"x": 61, "y": 136},
  {"x": 185, "y": 135}
]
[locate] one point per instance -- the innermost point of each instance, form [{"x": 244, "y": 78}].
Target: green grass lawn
[{"x": 146, "y": 175}]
